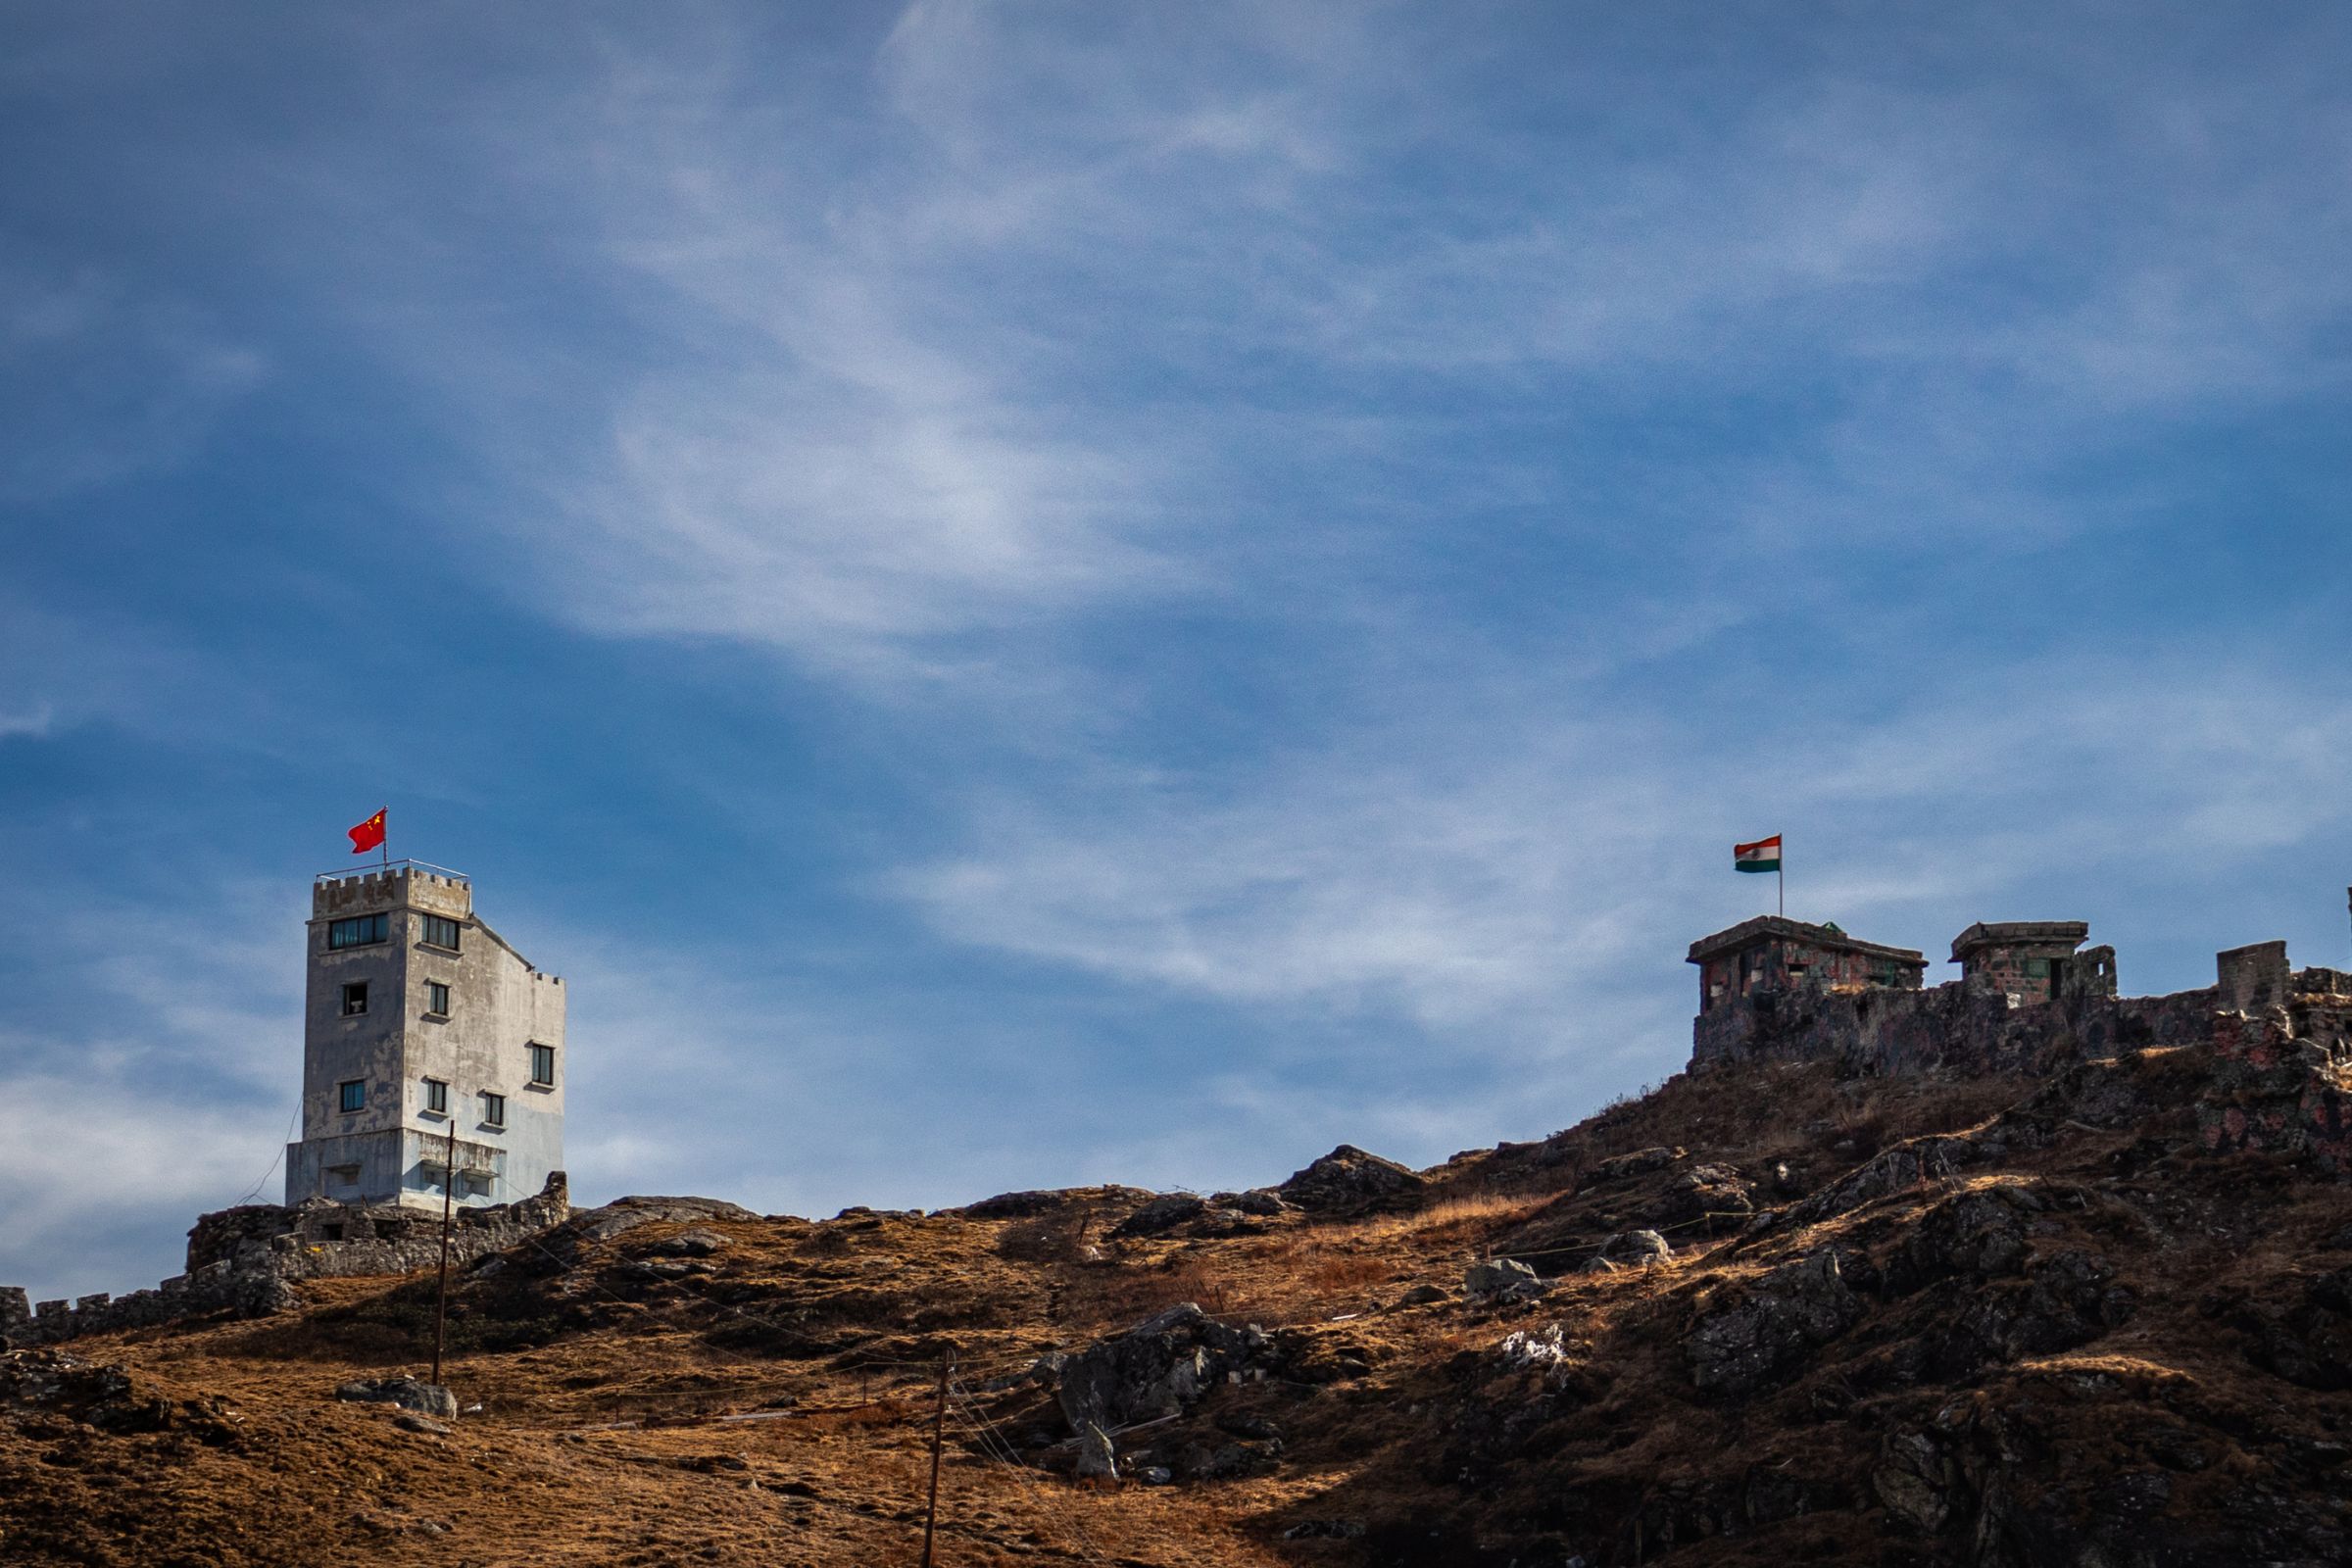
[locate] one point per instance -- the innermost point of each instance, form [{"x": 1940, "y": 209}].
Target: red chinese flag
[{"x": 367, "y": 835}]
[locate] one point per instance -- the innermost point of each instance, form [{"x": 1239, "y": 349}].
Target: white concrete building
[{"x": 419, "y": 1019}]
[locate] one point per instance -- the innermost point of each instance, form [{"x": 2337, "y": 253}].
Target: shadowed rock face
[{"x": 1794, "y": 1307}]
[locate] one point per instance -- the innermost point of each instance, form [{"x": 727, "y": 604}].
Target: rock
[
  {"x": 409, "y": 1393},
  {"x": 1255, "y": 1428},
  {"x": 1501, "y": 1279},
  {"x": 2066, "y": 1299},
  {"x": 1705, "y": 1194},
  {"x": 1349, "y": 1178},
  {"x": 1976, "y": 1235},
  {"x": 1640, "y": 1162},
  {"x": 1154, "y": 1475},
  {"x": 1635, "y": 1246},
  {"x": 1905, "y": 1166},
  {"x": 411, "y": 1421},
  {"x": 627, "y": 1213},
  {"x": 1533, "y": 1350},
  {"x": 1915, "y": 1482},
  {"x": 1163, "y": 1214},
  {"x": 1261, "y": 1201},
  {"x": 1159, "y": 1367},
  {"x": 689, "y": 1244},
  {"x": 1790, "y": 1310},
  {"x": 1016, "y": 1205},
  {"x": 1097, "y": 1458},
  {"x": 1424, "y": 1295}
]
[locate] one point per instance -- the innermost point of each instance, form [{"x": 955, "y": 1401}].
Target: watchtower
[{"x": 419, "y": 1018}]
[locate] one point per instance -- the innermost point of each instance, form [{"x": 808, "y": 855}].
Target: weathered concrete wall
[
  {"x": 246, "y": 1260},
  {"x": 389, "y": 1150}
]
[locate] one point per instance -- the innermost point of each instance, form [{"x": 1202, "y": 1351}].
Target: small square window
[
  {"x": 440, "y": 931},
  {"x": 543, "y": 1065},
  {"x": 355, "y": 998},
  {"x": 494, "y": 1110},
  {"x": 436, "y": 1096},
  {"x": 353, "y": 1095},
  {"x": 436, "y": 999}
]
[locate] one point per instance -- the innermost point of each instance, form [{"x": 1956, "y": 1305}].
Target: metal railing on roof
[{"x": 382, "y": 869}]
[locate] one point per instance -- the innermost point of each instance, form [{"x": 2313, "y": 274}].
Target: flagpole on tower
[{"x": 1780, "y": 879}]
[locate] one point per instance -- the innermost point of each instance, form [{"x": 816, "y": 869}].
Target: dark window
[
  {"x": 358, "y": 932},
  {"x": 441, "y": 932},
  {"x": 355, "y": 998},
  {"x": 436, "y": 1096},
  {"x": 542, "y": 1064},
  {"x": 436, "y": 999},
  {"x": 353, "y": 1095},
  {"x": 494, "y": 1110}
]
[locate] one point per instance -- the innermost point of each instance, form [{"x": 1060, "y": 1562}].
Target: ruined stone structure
[
  {"x": 2029, "y": 993},
  {"x": 417, "y": 1018},
  {"x": 245, "y": 1260},
  {"x": 2029, "y": 962},
  {"x": 1772, "y": 953}
]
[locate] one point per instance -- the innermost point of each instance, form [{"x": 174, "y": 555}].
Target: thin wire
[
  {"x": 966, "y": 1412},
  {"x": 255, "y": 1189}
]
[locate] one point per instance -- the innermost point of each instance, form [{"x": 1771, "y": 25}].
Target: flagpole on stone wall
[{"x": 1779, "y": 878}]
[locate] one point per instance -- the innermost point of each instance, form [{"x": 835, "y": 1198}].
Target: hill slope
[{"x": 1989, "y": 1321}]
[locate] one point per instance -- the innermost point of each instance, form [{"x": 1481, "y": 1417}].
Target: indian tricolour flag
[{"x": 1762, "y": 855}]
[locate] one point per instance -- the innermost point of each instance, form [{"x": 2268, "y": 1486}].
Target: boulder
[
  {"x": 689, "y": 1244},
  {"x": 408, "y": 1394},
  {"x": 1163, "y": 1214},
  {"x": 1159, "y": 1367},
  {"x": 1640, "y": 1162},
  {"x": 1785, "y": 1313},
  {"x": 1349, "y": 1178},
  {"x": 1097, "y": 1458},
  {"x": 1635, "y": 1246},
  {"x": 1702, "y": 1193},
  {"x": 627, "y": 1213},
  {"x": 1501, "y": 1278},
  {"x": 1261, "y": 1201}
]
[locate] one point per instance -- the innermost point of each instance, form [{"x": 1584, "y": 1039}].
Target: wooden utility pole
[
  {"x": 939, "y": 1421},
  {"x": 449, "y": 1191}
]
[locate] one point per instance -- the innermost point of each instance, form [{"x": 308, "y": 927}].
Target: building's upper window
[
  {"x": 440, "y": 931},
  {"x": 353, "y": 1095},
  {"x": 542, "y": 1064},
  {"x": 436, "y": 999},
  {"x": 494, "y": 1110},
  {"x": 355, "y": 998},
  {"x": 358, "y": 932},
  {"x": 436, "y": 1096}
]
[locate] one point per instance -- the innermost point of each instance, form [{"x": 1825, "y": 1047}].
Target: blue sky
[{"x": 1029, "y": 595}]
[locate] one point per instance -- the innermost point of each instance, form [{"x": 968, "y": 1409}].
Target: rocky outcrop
[
  {"x": 1161, "y": 1367},
  {"x": 1349, "y": 1178},
  {"x": 1788, "y": 1312},
  {"x": 1161, "y": 1214}
]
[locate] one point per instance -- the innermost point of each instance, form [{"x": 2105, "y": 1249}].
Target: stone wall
[
  {"x": 1970, "y": 1027},
  {"x": 246, "y": 1261}
]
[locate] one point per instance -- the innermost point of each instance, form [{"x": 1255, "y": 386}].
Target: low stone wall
[{"x": 246, "y": 1261}]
